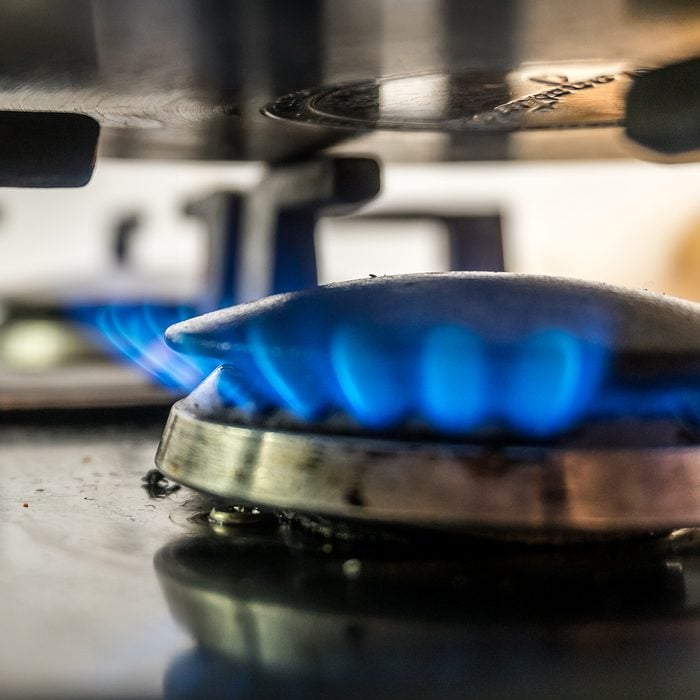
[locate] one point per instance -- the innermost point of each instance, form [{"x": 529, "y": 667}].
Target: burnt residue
[
  {"x": 313, "y": 462},
  {"x": 157, "y": 486},
  {"x": 249, "y": 461},
  {"x": 354, "y": 497},
  {"x": 495, "y": 461}
]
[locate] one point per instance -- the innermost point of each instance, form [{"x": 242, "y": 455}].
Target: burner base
[{"x": 533, "y": 490}]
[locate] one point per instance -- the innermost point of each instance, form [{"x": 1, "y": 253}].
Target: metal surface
[
  {"x": 536, "y": 97},
  {"x": 428, "y": 622},
  {"x": 82, "y": 387},
  {"x": 282, "y": 612},
  {"x": 443, "y": 485},
  {"x": 262, "y": 242},
  {"x": 48, "y": 362},
  {"x": 82, "y": 614},
  {"x": 187, "y": 79},
  {"x": 663, "y": 109},
  {"x": 39, "y": 149}
]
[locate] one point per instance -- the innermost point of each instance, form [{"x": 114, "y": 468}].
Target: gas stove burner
[
  {"x": 532, "y": 97},
  {"x": 451, "y": 400}
]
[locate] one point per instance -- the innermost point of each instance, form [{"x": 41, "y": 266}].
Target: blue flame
[
  {"x": 369, "y": 376},
  {"x": 134, "y": 332},
  {"x": 458, "y": 383},
  {"x": 448, "y": 378},
  {"x": 285, "y": 384},
  {"x": 465, "y": 355},
  {"x": 455, "y": 378},
  {"x": 550, "y": 379}
]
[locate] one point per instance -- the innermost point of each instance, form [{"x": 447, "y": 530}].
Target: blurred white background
[{"x": 626, "y": 222}]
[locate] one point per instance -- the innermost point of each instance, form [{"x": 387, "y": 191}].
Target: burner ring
[{"x": 437, "y": 485}]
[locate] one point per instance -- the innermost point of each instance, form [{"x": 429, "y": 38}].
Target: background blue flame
[{"x": 134, "y": 332}]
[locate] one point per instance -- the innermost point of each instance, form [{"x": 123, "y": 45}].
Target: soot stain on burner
[
  {"x": 494, "y": 461},
  {"x": 244, "y": 473},
  {"x": 554, "y": 491},
  {"x": 313, "y": 462},
  {"x": 688, "y": 434},
  {"x": 354, "y": 497}
]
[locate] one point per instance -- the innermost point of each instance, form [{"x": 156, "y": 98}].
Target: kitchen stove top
[
  {"x": 321, "y": 563},
  {"x": 108, "y": 592}
]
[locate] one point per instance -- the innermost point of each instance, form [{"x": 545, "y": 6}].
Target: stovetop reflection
[
  {"x": 283, "y": 614},
  {"x": 268, "y": 610}
]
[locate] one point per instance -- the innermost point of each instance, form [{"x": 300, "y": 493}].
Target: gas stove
[{"x": 360, "y": 368}]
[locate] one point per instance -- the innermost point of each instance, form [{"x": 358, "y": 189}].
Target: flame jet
[{"x": 455, "y": 354}]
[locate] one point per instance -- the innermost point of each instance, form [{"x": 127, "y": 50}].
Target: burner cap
[{"x": 461, "y": 354}]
